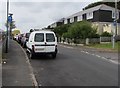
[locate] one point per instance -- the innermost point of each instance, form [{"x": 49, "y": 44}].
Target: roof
[{"x": 99, "y": 7}]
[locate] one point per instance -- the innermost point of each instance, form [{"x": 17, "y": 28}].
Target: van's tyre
[
  {"x": 31, "y": 55},
  {"x": 54, "y": 55},
  {"x": 24, "y": 45}
]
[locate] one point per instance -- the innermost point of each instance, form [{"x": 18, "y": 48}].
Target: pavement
[{"x": 16, "y": 68}]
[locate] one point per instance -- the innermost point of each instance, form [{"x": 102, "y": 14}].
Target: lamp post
[
  {"x": 6, "y": 49},
  {"x": 116, "y": 17},
  {"x": 115, "y": 24}
]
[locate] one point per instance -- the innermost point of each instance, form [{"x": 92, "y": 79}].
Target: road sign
[
  {"x": 114, "y": 23},
  {"x": 10, "y": 19}
]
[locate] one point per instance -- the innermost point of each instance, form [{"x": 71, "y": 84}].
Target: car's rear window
[
  {"x": 27, "y": 35},
  {"x": 50, "y": 37},
  {"x": 39, "y": 37}
]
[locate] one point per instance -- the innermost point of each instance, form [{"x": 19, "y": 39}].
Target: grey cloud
[{"x": 40, "y": 14}]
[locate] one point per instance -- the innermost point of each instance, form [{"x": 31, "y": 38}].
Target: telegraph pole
[
  {"x": 116, "y": 14},
  {"x": 115, "y": 25},
  {"x": 6, "y": 50}
]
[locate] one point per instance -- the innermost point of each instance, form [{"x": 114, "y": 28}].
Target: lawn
[{"x": 106, "y": 46}]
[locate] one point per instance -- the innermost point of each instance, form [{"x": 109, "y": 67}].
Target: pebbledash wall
[
  {"x": 101, "y": 16},
  {"x": 106, "y": 26}
]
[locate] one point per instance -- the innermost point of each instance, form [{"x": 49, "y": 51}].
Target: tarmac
[
  {"x": 111, "y": 55},
  {"x": 17, "y": 70}
]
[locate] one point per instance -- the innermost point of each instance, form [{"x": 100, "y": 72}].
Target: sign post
[
  {"x": 6, "y": 48},
  {"x": 115, "y": 25}
]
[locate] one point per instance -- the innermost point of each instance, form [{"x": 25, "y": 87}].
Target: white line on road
[{"x": 115, "y": 62}]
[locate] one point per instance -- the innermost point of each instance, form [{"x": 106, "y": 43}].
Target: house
[
  {"x": 101, "y": 16},
  {"x": 57, "y": 23}
]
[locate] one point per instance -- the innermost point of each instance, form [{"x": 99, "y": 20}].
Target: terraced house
[{"x": 101, "y": 16}]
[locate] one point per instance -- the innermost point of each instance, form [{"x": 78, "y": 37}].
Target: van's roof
[{"x": 43, "y": 31}]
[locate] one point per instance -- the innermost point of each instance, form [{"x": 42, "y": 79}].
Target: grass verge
[{"x": 106, "y": 46}]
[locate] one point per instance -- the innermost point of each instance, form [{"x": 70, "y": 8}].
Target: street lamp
[
  {"x": 6, "y": 49},
  {"x": 115, "y": 24}
]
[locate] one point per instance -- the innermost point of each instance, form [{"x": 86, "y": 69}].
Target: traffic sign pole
[{"x": 6, "y": 50}]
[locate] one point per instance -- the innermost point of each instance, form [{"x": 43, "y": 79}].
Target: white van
[{"x": 42, "y": 42}]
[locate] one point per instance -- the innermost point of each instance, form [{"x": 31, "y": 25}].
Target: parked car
[
  {"x": 42, "y": 42},
  {"x": 24, "y": 39},
  {"x": 15, "y": 37},
  {"x": 19, "y": 38}
]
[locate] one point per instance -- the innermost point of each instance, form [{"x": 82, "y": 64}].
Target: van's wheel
[
  {"x": 54, "y": 55},
  {"x": 31, "y": 55}
]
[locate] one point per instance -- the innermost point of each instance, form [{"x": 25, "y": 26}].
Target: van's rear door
[
  {"x": 50, "y": 42},
  {"x": 39, "y": 41}
]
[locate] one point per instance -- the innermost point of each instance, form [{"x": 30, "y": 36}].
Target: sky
[{"x": 36, "y": 14}]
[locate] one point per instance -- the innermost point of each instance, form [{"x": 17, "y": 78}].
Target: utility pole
[
  {"x": 115, "y": 24},
  {"x": 116, "y": 14},
  {"x": 6, "y": 50}
]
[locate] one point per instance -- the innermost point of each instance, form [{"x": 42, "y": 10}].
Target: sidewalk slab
[{"x": 16, "y": 72}]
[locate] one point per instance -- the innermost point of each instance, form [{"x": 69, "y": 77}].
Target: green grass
[{"x": 106, "y": 46}]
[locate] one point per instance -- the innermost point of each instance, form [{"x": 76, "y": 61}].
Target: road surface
[{"x": 73, "y": 67}]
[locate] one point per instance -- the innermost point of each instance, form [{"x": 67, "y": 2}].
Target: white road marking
[
  {"x": 93, "y": 54},
  {"x": 115, "y": 62}
]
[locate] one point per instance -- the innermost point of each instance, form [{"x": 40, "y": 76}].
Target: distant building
[
  {"x": 102, "y": 16},
  {"x": 57, "y": 23}
]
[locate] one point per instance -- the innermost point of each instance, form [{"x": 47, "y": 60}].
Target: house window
[
  {"x": 75, "y": 19},
  {"x": 68, "y": 21},
  {"x": 65, "y": 22},
  {"x": 71, "y": 20},
  {"x": 90, "y": 15},
  {"x": 80, "y": 18},
  {"x": 113, "y": 15}
]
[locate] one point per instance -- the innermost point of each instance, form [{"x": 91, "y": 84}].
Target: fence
[{"x": 88, "y": 40}]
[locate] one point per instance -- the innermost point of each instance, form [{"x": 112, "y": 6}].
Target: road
[{"x": 72, "y": 67}]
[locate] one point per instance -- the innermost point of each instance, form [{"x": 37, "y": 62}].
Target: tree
[
  {"x": 12, "y": 25},
  {"x": 106, "y": 34},
  {"x": 15, "y": 32},
  {"x": 82, "y": 30},
  {"x": 61, "y": 29},
  {"x": 112, "y": 4}
]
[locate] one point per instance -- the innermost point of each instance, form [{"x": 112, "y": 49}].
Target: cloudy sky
[{"x": 38, "y": 14}]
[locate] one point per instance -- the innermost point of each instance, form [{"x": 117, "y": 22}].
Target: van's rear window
[
  {"x": 50, "y": 37},
  {"x": 39, "y": 37}
]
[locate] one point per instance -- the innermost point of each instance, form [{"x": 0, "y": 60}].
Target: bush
[
  {"x": 82, "y": 30},
  {"x": 106, "y": 34}
]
